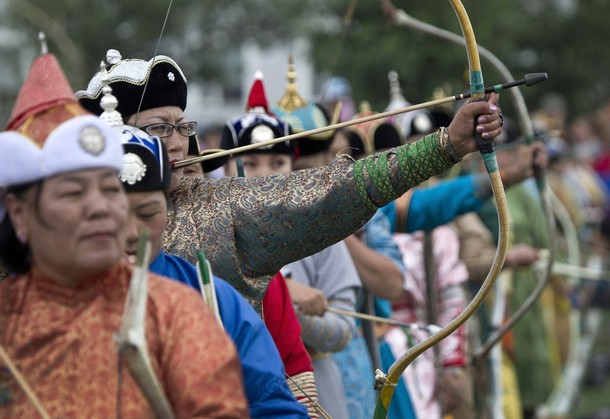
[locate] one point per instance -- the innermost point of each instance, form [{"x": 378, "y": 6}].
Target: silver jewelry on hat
[
  {"x": 262, "y": 133},
  {"x": 91, "y": 140},
  {"x": 133, "y": 170},
  {"x": 109, "y": 102},
  {"x": 113, "y": 56}
]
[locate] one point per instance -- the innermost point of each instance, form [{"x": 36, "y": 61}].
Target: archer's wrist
[{"x": 446, "y": 145}]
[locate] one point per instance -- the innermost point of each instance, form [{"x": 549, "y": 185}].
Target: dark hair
[{"x": 14, "y": 255}]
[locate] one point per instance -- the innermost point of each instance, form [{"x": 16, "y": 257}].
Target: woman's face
[
  {"x": 147, "y": 210},
  {"x": 75, "y": 223},
  {"x": 176, "y": 144}
]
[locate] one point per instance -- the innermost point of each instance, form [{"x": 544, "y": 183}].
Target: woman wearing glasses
[{"x": 250, "y": 228}]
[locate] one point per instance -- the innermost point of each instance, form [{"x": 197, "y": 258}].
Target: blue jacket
[
  {"x": 440, "y": 204},
  {"x": 264, "y": 375}
]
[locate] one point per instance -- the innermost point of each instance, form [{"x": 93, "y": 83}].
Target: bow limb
[
  {"x": 563, "y": 395},
  {"x": 387, "y": 383},
  {"x": 131, "y": 338},
  {"x": 400, "y": 17},
  {"x": 583, "y": 330},
  {"x": 206, "y": 283},
  {"x": 23, "y": 384}
]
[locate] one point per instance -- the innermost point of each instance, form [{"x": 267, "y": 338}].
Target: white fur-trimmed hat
[{"x": 83, "y": 142}]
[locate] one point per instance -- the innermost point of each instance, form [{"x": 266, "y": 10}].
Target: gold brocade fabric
[
  {"x": 61, "y": 339},
  {"x": 252, "y": 227}
]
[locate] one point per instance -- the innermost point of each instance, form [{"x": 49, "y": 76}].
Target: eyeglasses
[{"x": 163, "y": 130}]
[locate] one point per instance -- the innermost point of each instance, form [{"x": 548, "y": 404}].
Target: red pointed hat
[
  {"x": 257, "y": 97},
  {"x": 45, "y": 101},
  {"x": 258, "y": 124},
  {"x": 49, "y": 133}
]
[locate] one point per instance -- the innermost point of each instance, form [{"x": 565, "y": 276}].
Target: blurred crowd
[
  {"x": 566, "y": 163},
  {"x": 309, "y": 336}
]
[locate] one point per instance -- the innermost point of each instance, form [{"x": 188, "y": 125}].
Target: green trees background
[{"x": 566, "y": 38}]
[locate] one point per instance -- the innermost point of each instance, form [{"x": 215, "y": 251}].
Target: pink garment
[{"x": 451, "y": 274}]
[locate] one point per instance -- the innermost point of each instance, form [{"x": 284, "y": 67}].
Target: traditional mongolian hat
[
  {"x": 50, "y": 133},
  {"x": 257, "y": 125},
  {"x": 368, "y": 137},
  {"x": 304, "y": 116},
  {"x": 155, "y": 83},
  {"x": 410, "y": 123},
  {"x": 145, "y": 161},
  {"x": 337, "y": 90}
]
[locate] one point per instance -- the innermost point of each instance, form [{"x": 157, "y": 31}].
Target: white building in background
[{"x": 208, "y": 104}]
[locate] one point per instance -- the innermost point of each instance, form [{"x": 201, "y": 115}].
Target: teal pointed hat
[{"x": 302, "y": 115}]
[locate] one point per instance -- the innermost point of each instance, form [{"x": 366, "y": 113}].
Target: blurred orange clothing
[{"x": 62, "y": 340}]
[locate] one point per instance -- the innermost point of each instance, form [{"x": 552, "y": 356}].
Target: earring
[{"x": 22, "y": 236}]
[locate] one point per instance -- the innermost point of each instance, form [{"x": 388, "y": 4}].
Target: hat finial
[
  {"x": 365, "y": 107},
  {"x": 291, "y": 99},
  {"x": 113, "y": 56},
  {"x": 42, "y": 38},
  {"x": 395, "y": 89},
  {"x": 109, "y": 102}
]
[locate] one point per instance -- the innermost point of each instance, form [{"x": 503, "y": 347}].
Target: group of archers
[{"x": 298, "y": 236}]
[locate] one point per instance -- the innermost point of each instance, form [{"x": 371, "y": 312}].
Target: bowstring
[
  {"x": 169, "y": 8},
  {"x": 314, "y": 403},
  {"x": 347, "y": 22}
]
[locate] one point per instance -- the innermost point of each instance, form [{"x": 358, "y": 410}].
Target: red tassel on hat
[
  {"x": 45, "y": 100},
  {"x": 257, "y": 97}
]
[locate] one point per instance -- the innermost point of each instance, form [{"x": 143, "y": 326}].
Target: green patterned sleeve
[
  {"x": 383, "y": 177},
  {"x": 280, "y": 219}
]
